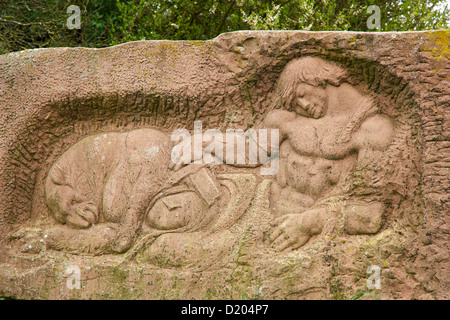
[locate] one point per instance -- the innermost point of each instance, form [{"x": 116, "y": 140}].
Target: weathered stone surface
[{"x": 86, "y": 176}]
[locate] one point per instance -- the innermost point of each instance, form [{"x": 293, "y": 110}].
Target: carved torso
[{"x": 312, "y": 161}]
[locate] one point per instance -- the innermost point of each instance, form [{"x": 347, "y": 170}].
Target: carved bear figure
[{"x": 109, "y": 177}]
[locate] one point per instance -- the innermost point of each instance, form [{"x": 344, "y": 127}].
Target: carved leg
[
  {"x": 363, "y": 219},
  {"x": 127, "y": 231},
  {"x": 146, "y": 181},
  {"x": 138, "y": 177},
  {"x": 95, "y": 240},
  {"x": 188, "y": 250}
]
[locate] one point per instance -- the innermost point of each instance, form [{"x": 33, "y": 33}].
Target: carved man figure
[{"x": 326, "y": 126}]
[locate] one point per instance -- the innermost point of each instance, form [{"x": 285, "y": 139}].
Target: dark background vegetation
[{"x": 26, "y": 24}]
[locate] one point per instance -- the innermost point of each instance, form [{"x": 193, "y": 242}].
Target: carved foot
[
  {"x": 84, "y": 215},
  {"x": 122, "y": 243}
]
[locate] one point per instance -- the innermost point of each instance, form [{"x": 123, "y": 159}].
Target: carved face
[
  {"x": 310, "y": 101},
  {"x": 175, "y": 211}
]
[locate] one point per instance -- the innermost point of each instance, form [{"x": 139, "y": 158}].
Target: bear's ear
[{"x": 58, "y": 176}]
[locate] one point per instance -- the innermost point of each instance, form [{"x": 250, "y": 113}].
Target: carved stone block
[{"x": 339, "y": 161}]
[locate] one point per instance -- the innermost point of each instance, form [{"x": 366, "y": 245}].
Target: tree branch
[
  {"x": 225, "y": 16},
  {"x": 20, "y": 23}
]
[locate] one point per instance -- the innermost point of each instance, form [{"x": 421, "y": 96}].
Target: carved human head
[{"x": 301, "y": 86}]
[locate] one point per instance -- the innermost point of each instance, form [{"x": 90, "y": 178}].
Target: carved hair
[
  {"x": 310, "y": 70},
  {"x": 318, "y": 72}
]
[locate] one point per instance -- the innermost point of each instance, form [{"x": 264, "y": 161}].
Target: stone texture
[{"x": 216, "y": 231}]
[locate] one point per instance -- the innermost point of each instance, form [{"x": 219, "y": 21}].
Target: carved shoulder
[
  {"x": 375, "y": 133},
  {"x": 276, "y": 118}
]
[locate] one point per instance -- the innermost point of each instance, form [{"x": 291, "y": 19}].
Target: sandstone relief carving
[
  {"x": 120, "y": 188},
  {"x": 249, "y": 176}
]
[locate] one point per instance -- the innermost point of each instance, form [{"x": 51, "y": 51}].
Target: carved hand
[
  {"x": 187, "y": 158},
  {"x": 294, "y": 230},
  {"x": 289, "y": 232}
]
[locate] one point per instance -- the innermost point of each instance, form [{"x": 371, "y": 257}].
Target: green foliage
[
  {"x": 31, "y": 24},
  {"x": 358, "y": 295},
  {"x": 198, "y": 20},
  {"x": 38, "y": 24}
]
